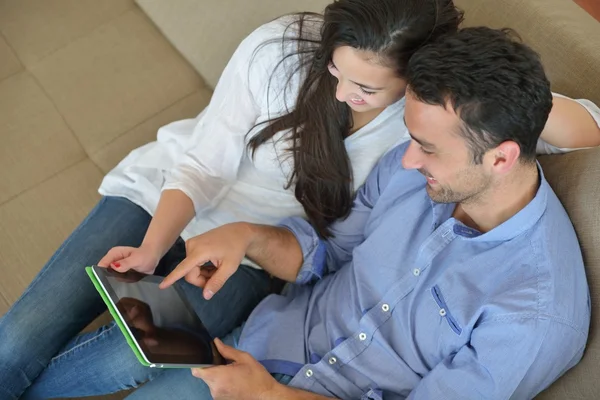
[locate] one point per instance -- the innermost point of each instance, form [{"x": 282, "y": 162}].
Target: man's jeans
[{"x": 41, "y": 353}]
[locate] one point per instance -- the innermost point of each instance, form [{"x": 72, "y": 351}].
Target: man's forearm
[
  {"x": 290, "y": 393},
  {"x": 276, "y": 250}
]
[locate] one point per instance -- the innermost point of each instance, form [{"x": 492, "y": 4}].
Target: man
[{"x": 457, "y": 275}]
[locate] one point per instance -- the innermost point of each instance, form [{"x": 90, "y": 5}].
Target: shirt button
[
  {"x": 442, "y": 312},
  {"x": 385, "y": 308},
  {"x": 362, "y": 336},
  {"x": 416, "y": 272},
  {"x": 309, "y": 373},
  {"x": 332, "y": 360}
]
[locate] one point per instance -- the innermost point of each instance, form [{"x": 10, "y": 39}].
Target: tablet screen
[{"x": 162, "y": 322}]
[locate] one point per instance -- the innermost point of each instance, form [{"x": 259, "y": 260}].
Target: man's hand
[
  {"x": 224, "y": 247},
  {"x": 245, "y": 378}
]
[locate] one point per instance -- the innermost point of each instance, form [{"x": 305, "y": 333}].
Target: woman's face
[{"x": 363, "y": 83}]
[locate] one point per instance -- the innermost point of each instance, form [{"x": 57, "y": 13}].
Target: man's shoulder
[
  {"x": 554, "y": 253},
  {"x": 555, "y": 225}
]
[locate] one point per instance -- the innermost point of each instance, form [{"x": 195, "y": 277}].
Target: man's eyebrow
[
  {"x": 422, "y": 142},
  {"x": 359, "y": 84}
]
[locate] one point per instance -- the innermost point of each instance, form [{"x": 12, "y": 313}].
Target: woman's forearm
[
  {"x": 570, "y": 125},
  {"x": 175, "y": 210}
]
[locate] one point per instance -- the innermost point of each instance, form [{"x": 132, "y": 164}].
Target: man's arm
[{"x": 276, "y": 250}]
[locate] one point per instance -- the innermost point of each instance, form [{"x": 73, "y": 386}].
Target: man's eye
[{"x": 425, "y": 151}]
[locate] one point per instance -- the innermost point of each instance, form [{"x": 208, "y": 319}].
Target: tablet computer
[{"x": 160, "y": 325}]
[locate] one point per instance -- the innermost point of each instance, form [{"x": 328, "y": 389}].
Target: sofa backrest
[
  {"x": 567, "y": 38},
  {"x": 207, "y": 32}
]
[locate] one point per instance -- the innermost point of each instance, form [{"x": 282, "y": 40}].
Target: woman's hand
[
  {"x": 121, "y": 259},
  {"x": 224, "y": 247}
]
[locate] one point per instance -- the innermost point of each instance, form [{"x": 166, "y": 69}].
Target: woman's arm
[
  {"x": 572, "y": 125},
  {"x": 175, "y": 210},
  {"x": 208, "y": 167},
  {"x": 204, "y": 173}
]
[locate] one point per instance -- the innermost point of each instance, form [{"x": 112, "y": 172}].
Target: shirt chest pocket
[{"x": 444, "y": 311}]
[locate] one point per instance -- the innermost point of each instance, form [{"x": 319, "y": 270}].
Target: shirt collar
[{"x": 516, "y": 225}]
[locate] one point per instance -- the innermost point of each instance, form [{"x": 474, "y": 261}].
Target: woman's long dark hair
[{"x": 392, "y": 29}]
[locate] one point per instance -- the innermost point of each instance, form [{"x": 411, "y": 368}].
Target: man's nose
[{"x": 412, "y": 157}]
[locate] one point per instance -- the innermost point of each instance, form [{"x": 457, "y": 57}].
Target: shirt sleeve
[
  {"x": 211, "y": 162},
  {"x": 322, "y": 257},
  {"x": 512, "y": 357},
  {"x": 544, "y": 147}
]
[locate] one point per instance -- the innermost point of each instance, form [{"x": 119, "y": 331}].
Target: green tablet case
[{"x": 116, "y": 316}]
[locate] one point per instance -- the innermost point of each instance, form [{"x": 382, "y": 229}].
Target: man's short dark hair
[{"x": 495, "y": 84}]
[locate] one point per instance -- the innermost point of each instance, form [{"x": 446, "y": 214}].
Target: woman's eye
[
  {"x": 366, "y": 92},
  {"x": 425, "y": 151}
]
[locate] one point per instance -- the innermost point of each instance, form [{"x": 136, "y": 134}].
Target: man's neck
[{"x": 501, "y": 202}]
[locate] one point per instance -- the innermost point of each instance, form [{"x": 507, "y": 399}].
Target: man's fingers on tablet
[{"x": 179, "y": 272}]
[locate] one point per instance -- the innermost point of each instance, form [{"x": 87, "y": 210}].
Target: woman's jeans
[{"x": 42, "y": 353}]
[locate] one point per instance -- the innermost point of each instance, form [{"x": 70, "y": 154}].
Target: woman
[{"x": 293, "y": 128}]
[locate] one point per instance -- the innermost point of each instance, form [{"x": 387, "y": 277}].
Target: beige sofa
[{"x": 84, "y": 82}]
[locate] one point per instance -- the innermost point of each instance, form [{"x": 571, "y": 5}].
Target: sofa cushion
[
  {"x": 37, "y": 221},
  {"x": 36, "y": 142},
  {"x": 37, "y": 28},
  {"x": 10, "y": 64},
  {"x": 113, "y": 79}
]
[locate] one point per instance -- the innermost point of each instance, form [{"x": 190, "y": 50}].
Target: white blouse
[{"x": 207, "y": 157}]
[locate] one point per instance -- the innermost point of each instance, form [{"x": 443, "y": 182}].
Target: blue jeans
[
  {"x": 42, "y": 354},
  {"x": 181, "y": 384}
]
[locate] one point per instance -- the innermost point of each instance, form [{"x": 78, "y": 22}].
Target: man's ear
[{"x": 505, "y": 156}]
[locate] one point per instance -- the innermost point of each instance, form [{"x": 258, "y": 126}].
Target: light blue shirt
[{"x": 411, "y": 303}]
